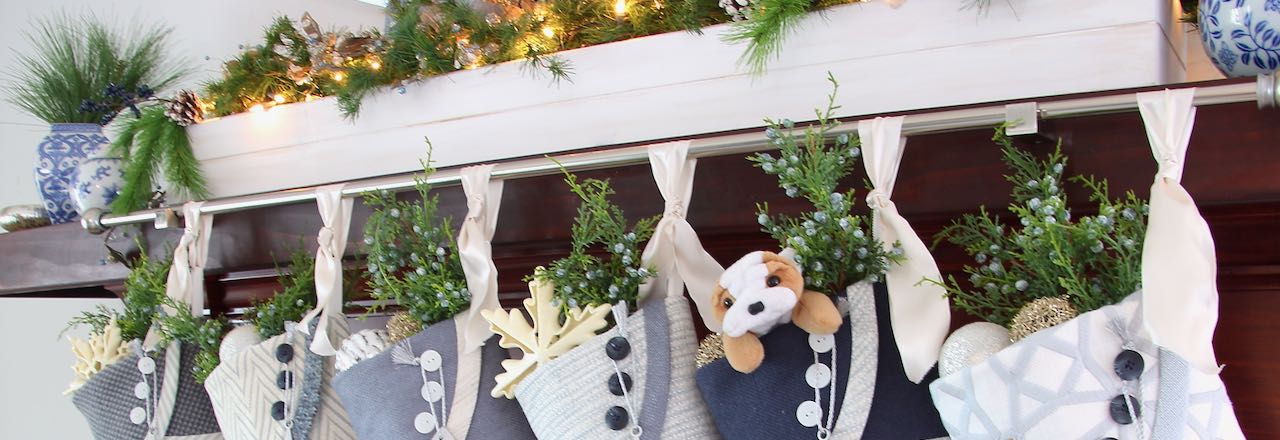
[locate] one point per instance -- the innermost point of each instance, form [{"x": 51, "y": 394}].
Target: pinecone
[
  {"x": 185, "y": 108},
  {"x": 736, "y": 8}
]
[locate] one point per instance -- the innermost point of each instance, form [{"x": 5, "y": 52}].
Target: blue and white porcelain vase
[
  {"x": 1242, "y": 37},
  {"x": 97, "y": 182},
  {"x": 57, "y": 159}
]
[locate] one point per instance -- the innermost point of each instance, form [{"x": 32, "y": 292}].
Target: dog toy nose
[{"x": 756, "y": 308}]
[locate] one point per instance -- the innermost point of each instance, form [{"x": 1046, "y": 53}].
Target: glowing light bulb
[
  {"x": 309, "y": 98},
  {"x": 548, "y": 31},
  {"x": 339, "y": 76},
  {"x": 375, "y": 65},
  {"x": 279, "y": 98},
  {"x": 620, "y": 8},
  {"x": 257, "y": 108}
]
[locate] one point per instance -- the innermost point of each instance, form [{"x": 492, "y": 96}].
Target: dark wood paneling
[{"x": 1233, "y": 173}]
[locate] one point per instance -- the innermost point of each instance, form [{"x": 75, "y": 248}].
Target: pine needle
[{"x": 765, "y": 30}]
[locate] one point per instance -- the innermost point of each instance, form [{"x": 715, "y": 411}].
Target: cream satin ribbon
[
  {"x": 675, "y": 250},
  {"x": 1179, "y": 267},
  {"x": 918, "y": 310},
  {"x": 335, "y": 212},
  {"x": 186, "y": 276},
  {"x": 484, "y": 197}
]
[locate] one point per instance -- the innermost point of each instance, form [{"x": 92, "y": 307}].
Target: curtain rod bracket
[
  {"x": 91, "y": 221},
  {"x": 1022, "y": 118},
  {"x": 166, "y": 218}
]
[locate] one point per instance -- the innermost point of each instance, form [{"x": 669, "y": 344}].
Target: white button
[
  {"x": 424, "y": 423},
  {"x": 809, "y": 413},
  {"x": 818, "y": 376},
  {"x": 822, "y": 343},
  {"x": 141, "y": 390},
  {"x": 432, "y": 392},
  {"x": 430, "y": 360},
  {"x": 146, "y": 365},
  {"x": 138, "y": 415}
]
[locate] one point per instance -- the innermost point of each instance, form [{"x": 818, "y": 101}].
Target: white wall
[
  {"x": 37, "y": 368},
  {"x": 205, "y": 32}
]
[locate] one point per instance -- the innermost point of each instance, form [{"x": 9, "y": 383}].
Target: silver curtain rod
[{"x": 1265, "y": 93}]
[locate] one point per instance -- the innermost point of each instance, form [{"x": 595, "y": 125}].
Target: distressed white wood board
[{"x": 680, "y": 84}]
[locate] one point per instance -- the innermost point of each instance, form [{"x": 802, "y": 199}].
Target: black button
[
  {"x": 284, "y": 353},
  {"x": 277, "y": 410},
  {"x": 1129, "y": 365},
  {"x": 1120, "y": 411},
  {"x": 284, "y": 380},
  {"x": 615, "y": 387},
  {"x": 616, "y": 418},
  {"x": 617, "y": 348}
]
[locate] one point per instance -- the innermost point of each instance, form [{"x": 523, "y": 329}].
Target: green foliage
[
  {"x": 582, "y": 279},
  {"x": 296, "y": 297},
  {"x": 185, "y": 327},
  {"x": 1094, "y": 261},
  {"x": 152, "y": 145},
  {"x": 75, "y": 58},
  {"x": 413, "y": 255},
  {"x": 144, "y": 292},
  {"x": 260, "y": 73},
  {"x": 830, "y": 242},
  {"x": 768, "y": 24}
]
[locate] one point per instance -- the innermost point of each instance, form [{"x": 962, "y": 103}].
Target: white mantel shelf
[{"x": 923, "y": 55}]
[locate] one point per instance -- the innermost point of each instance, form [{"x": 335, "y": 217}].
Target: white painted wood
[{"x": 923, "y": 55}]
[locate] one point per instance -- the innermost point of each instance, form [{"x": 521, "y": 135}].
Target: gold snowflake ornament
[{"x": 545, "y": 339}]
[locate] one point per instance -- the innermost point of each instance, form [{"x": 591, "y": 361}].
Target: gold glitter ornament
[
  {"x": 710, "y": 350},
  {"x": 1040, "y": 314},
  {"x": 402, "y": 326}
]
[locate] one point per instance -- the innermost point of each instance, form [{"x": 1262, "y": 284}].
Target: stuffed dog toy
[{"x": 758, "y": 292}]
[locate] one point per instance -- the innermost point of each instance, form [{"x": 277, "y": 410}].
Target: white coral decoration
[
  {"x": 361, "y": 345},
  {"x": 102, "y": 349},
  {"x": 546, "y": 339}
]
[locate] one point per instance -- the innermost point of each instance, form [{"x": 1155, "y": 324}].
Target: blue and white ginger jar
[
  {"x": 58, "y": 159},
  {"x": 1242, "y": 37}
]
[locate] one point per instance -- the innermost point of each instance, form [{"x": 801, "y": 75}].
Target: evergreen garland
[
  {"x": 297, "y": 296},
  {"x": 185, "y": 327},
  {"x": 582, "y": 279},
  {"x": 830, "y": 243},
  {"x": 144, "y": 292},
  {"x": 151, "y": 145},
  {"x": 261, "y": 73},
  {"x": 1094, "y": 262},
  {"x": 767, "y": 25},
  {"x": 413, "y": 256}
]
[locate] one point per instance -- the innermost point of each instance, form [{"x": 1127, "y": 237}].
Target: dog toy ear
[
  {"x": 816, "y": 313},
  {"x": 745, "y": 353}
]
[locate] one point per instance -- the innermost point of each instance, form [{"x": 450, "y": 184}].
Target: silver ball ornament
[
  {"x": 237, "y": 340},
  {"x": 970, "y": 345}
]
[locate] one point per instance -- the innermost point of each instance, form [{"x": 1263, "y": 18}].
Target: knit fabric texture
[
  {"x": 383, "y": 398},
  {"x": 873, "y": 397},
  {"x": 107, "y": 399},
  {"x": 1060, "y": 383},
  {"x": 243, "y": 389},
  {"x": 568, "y": 397}
]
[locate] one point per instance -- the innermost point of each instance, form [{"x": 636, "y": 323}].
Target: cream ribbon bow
[
  {"x": 484, "y": 197},
  {"x": 186, "y": 276},
  {"x": 918, "y": 310},
  {"x": 335, "y": 212},
  {"x": 1179, "y": 268},
  {"x": 674, "y": 249}
]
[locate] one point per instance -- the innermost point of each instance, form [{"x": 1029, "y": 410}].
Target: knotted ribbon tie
[
  {"x": 918, "y": 310},
  {"x": 484, "y": 197},
  {"x": 675, "y": 250},
  {"x": 186, "y": 276},
  {"x": 335, "y": 212},
  {"x": 1179, "y": 269}
]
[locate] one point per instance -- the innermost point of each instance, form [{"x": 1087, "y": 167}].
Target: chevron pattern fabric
[
  {"x": 243, "y": 390},
  {"x": 1060, "y": 382},
  {"x": 108, "y": 397}
]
